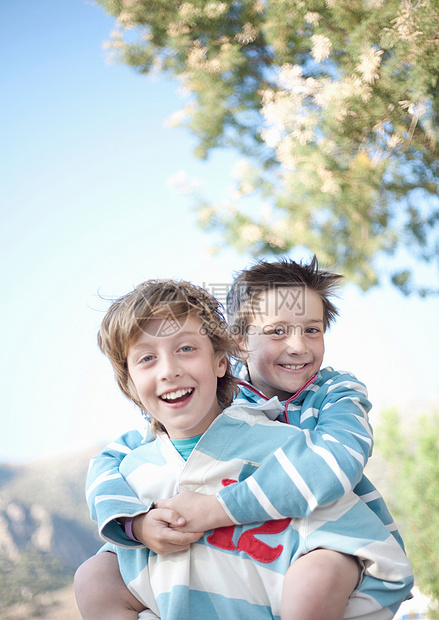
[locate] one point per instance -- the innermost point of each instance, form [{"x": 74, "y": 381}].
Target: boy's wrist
[
  {"x": 127, "y": 524},
  {"x": 128, "y": 527},
  {"x": 137, "y": 526},
  {"x": 218, "y": 517}
]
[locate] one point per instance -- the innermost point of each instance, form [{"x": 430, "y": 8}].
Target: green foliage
[
  {"x": 413, "y": 457},
  {"x": 335, "y": 104}
]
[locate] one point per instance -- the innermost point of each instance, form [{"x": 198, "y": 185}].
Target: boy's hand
[
  {"x": 200, "y": 511},
  {"x": 155, "y": 530}
]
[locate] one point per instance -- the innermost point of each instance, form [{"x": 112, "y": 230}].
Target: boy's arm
[
  {"x": 108, "y": 495},
  {"x": 313, "y": 467},
  {"x": 111, "y": 499}
]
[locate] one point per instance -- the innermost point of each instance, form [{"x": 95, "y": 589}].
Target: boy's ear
[{"x": 221, "y": 366}]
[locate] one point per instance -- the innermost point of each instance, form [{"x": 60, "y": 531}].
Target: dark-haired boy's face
[{"x": 285, "y": 340}]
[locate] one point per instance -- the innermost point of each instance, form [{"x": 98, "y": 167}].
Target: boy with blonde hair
[{"x": 310, "y": 503}]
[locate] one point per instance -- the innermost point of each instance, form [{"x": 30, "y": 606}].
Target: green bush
[{"x": 413, "y": 455}]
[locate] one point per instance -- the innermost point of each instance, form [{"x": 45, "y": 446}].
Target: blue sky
[{"x": 87, "y": 213}]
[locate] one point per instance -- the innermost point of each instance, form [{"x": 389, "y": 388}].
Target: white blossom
[
  {"x": 275, "y": 241},
  {"x": 329, "y": 182},
  {"x": 321, "y": 47},
  {"x": 335, "y": 95},
  {"x": 251, "y": 233},
  {"x": 285, "y": 153},
  {"x": 215, "y": 9},
  {"x": 405, "y": 24},
  {"x": 196, "y": 55},
  {"x": 304, "y": 131},
  {"x": 312, "y": 18},
  {"x": 271, "y": 136},
  {"x": 177, "y": 29},
  {"x": 188, "y": 11},
  {"x": 290, "y": 76},
  {"x": 248, "y": 34},
  {"x": 278, "y": 108},
  {"x": 259, "y": 6},
  {"x": 328, "y": 146},
  {"x": 289, "y": 123},
  {"x": 115, "y": 47},
  {"x": 418, "y": 109},
  {"x": 284, "y": 109},
  {"x": 127, "y": 19},
  {"x": 394, "y": 141},
  {"x": 177, "y": 118},
  {"x": 369, "y": 64},
  {"x": 213, "y": 65}
]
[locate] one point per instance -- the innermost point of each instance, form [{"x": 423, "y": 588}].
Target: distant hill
[{"x": 45, "y": 528}]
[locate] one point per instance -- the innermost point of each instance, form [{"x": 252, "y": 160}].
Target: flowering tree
[{"x": 333, "y": 105}]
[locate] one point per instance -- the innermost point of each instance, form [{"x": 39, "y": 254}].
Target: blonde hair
[{"x": 128, "y": 316}]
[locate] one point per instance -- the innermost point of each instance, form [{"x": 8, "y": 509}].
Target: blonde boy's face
[
  {"x": 175, "y": 373},
  {"x": 284, "y": 341}
]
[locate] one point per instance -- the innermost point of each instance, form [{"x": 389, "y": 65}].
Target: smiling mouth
[
  {"x": 178, "y": 396},
  {"x": 293, "y": 366}
]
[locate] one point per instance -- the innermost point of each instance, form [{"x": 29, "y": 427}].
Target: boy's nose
[
  {"x": 169, "y": 368},
  {"x": 296, "y": 343}
]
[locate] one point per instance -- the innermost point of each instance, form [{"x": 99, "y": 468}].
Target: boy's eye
[
  {"x": 312, "y": 330},
  {"x": 277, "y": 331},
  {"x": 187, "y": 348},
  {"x": 146, "y": 358}
]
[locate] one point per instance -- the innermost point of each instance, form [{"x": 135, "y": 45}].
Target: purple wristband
[{"x": 128, "y": 526}]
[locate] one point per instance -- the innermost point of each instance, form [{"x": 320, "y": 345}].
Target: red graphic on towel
[{"x": 222, "y": 537}]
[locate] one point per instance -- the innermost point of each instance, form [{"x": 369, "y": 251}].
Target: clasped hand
[{"x": 175, "y": 523}]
